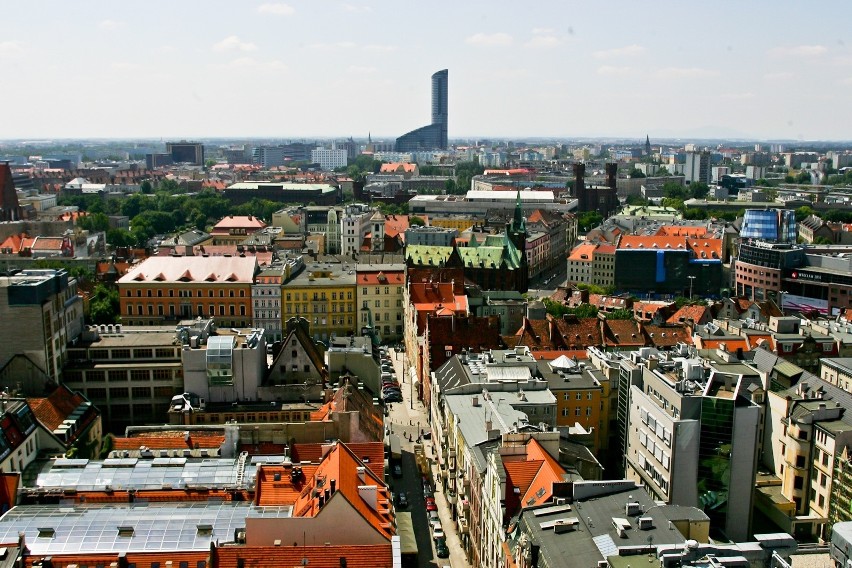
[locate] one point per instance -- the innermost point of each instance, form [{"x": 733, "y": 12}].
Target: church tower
[
  {"x": 517, "y": 230},
  {"x": 647, "y": 146}
]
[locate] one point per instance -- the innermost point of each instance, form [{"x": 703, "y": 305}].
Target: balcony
[
  {"x": 452, "y": 498},
  {"x": 465, "y": 505},
  {"x": 463, "y": 526}
]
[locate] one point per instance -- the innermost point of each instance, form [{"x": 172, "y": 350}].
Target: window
[
  {"x": 141, "y": 392},
  {"x": 577, "y": 411},
  {"x": 579, "y": 396},
  {"x": 800, "y": 461},
  {"x": 139, "y": 375},
  {"x": 93, "y": 376},
  {"x": 162, "y": 375},
  {"x": 798, "y": 482},
  {"x": 163, "y": 392},
  {"x": 803, "y": 435},
  {"x": 143, "y": 353},
  {"x": 119, "y": 392}
]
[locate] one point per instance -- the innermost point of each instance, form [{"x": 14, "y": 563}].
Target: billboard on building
[{"x": 803, "y": 304}]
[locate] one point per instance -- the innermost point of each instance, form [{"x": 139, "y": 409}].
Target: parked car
[
  {"x": 402, "y": 500},
  {"x": 437, "y": 530},
  {"x": 431, "y": 505},
  {"x": 441, "y": 548},
  {"x": 397, "y": 470},
  {"x": 427, "y": 492},
  {"x": 433, "y": 516}
]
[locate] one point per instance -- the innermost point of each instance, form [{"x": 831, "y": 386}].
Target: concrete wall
[{"x": 743, "y": 465}]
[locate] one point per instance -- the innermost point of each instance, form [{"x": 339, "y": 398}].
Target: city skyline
[{"x": 105, "y": 70}]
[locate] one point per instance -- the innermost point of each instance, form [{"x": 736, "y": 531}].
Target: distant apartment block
[{"x": 184, "y": 152}]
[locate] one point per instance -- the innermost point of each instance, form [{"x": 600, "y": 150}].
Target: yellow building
[
  {"x": 459, "y": 222},
  {"x": 324, "y": 294}
]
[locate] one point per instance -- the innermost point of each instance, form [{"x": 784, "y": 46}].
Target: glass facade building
[{"x": 432, "y": 136}]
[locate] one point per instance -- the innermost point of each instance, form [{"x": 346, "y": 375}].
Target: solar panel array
[
  {"x": 140, "y": 473},
  {"x": 163, "y": 527}
]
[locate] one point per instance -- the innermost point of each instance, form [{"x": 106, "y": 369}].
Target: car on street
[
  {"x": 431, "y": 505},
  {"x": 433, "y": 516},
  {"x": 441, "y": 548},
  {"x": 397, "y": 470},
  {"x": 437, "y": 530},
  {"x": 402, "y": 500},
  {"x": 427, "y": 492}
]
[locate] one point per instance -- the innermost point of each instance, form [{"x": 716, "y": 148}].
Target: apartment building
[
  {"x": 380, "y": 294},
  {"x": 692, "y": 435},
  {"x": 324, "y": 294},
  {"x": 40, "y": 314},
  {"x": 266, "y": 302},
  {"x": 168, "y": 289}
]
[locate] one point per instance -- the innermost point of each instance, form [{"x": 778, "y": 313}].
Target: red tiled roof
[
  {"x": 668, "y": 336},
  {"x": 58, "y": 406},
  {"x": 395, "y": 278},
  {"x": 171, "y": 440},
  {"x": 698, "y": 314},
  {"x": 623, "y": 333},
  {"x": 239, "y": 222},
  {"x": 47, "y": 243},
  {"x": 357, "y": 556}
]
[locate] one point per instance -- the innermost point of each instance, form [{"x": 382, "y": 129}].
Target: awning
[{"x": 405, "y": 530}]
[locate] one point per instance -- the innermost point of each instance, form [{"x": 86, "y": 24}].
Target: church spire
[{"x": 518, "y": 222}]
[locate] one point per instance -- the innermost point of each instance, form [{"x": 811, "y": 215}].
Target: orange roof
[
  {"x": 58, "y": 406},
  {"x": 357, "y": 556},
  {"x": 47, "y": 243},
  {"x": 171, "y": 440},
  {"x": 133, "y": 558},
  {"x": 276, "y": 487},
  {"x": 584, "y": 252},
  {"x": 533, "y": 474},
  {"x": 239, "y": 222},
  {"x": 547, "y": 475},
  {"x": 706, "y": 248},
  {"x": 17, "y": 243},
  {"x": 381, "y": 277},
  {"x": 341, "y": 464},
  {"x": 656, "y": 242},
  {"x": 731, "y": 344},
  {"x": 697, "y": 313},
  {"x": 398, "y": 166},
  {"x": 681, "y": 231}
]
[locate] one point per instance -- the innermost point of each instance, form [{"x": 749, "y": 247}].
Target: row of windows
[
  {"x": 120, "y": 375},
  {"x": 214, "y": 418},
  {"x": 365, "y": 291},
  {"x": 577, "y": 411},
  {"x": 141, "y": 310},
  {"x": 378, "y": 303},
  {"x": 378, "y": 317},
  {"x": 100, "y": 394},
  {"x": 183, "y": 293},
  {"x": 578, "y": 395},
  {"x": 316, "y": 296},
  {"x": 124, "y": 354},
  {"x": 318, "y": 308}
]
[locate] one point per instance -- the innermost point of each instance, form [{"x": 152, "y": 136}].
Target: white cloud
[
  {"x": 9, "y": 48},
  {"x": 360, "y": 69},
  {"x": 847, "y": 81},
  {"x": 353, "y": 9},
  {"x": 110, "y": 24},
  {"x": 800, "y": 50},
  {"x": 543, "y": 38},
  {"x": 489, "y": 40},
  {"x": 233, "y": 43},
  {"x": 626, "y": 51},
  {"x": 614, "y": 71},
  {"x": 276, "y": 9},
  {"x": 380, "y": 48},
  {"x": 685, "y": 73},
  {"x": 782, "y": 75}
]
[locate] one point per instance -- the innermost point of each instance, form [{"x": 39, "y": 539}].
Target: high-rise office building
[
  {"x": 434, "y": 135},
  {"x": 186, "y": 152}
]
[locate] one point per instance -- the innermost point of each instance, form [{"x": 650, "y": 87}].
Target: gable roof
[
  {"x": 331, "y": 556},
  {"x": 61, "y": 405}
]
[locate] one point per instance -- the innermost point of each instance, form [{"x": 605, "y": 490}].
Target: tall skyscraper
[{"x": 432, "y": 136}]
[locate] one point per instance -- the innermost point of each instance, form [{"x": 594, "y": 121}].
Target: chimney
[
  {"x": 333, "y": 485},
  {"x": 188, "y": 250}
]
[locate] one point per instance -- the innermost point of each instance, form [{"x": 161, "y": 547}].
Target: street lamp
[
  {"x": 691, "y": 279},
  {"x": 782, "y": 293}
]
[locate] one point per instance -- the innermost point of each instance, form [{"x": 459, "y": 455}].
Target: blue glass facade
[{"x": 432, "y": 136}]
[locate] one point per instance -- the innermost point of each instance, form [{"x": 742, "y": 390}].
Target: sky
[{"x": 316, "y": 69}]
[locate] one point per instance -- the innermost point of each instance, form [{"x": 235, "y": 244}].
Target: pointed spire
[{"x": 518, "y": 223}]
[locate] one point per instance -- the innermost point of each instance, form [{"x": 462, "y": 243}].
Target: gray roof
[
  {"x": 472, "y": 417},
  {"x": 150, "y": 527},
  {"x": 844, "y": 363},
  {"x": 451, "y": 374},
  {"x": 596, "y": 538}
]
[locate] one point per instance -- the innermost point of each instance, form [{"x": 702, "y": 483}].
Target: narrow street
[{"x": 408, "y": 419}]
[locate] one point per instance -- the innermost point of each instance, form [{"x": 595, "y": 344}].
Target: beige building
[
  {"x": 380, "y": 299},
  {"x": 593, "y": 264}
]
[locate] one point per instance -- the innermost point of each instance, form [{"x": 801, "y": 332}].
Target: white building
[
  {"x": 329, "y": 159},
  {"x": 354, "y": 226},
  {"x": 697, "y": 167}
]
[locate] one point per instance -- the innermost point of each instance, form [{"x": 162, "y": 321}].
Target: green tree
[
  {"x": 95, "y": 222},
  {"x": 803, "y": 177},
  {"x": 120, "y": 238},
  {"x": 637, "y": 200},
  {"x": 675, "y": 190},
  {"x": 803, "y": 212},
  {"x": 663, "y": 171},
  {"x": 103, "y": 305},
  {"x": 414, "y": 220},
  {"x": 636, "y": 173},
  {"x": 585, "y": 311},
  {"x": 209, "y": 163},
  {"x": 620, "y": 314},
  {"x": 146, "y": 187},
  {"x": 695, "y": 213},
  {"x": 672, "y": 202},
  {"x": 699, "y": 189},
  {"x": 588, "y": 220}
]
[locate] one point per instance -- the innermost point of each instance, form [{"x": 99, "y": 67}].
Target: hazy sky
[{"x": 181, "y": 68}]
